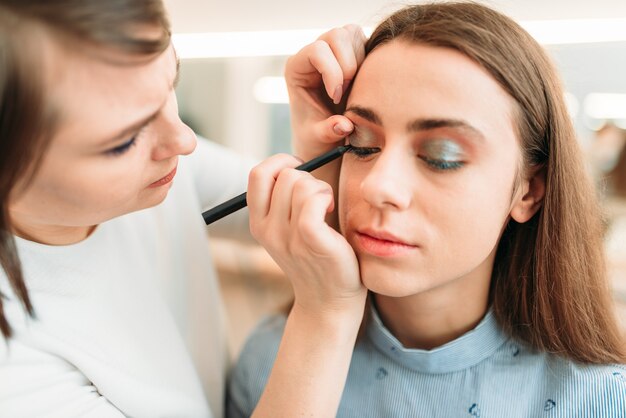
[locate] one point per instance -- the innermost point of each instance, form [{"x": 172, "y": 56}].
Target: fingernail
[
  {"x": 342, "y": 128},
  {"x": 337, "y": 95}
]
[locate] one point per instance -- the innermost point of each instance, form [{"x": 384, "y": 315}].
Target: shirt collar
[{"x": 466, "y": 351}]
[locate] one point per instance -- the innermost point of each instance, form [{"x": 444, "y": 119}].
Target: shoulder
[
  {"x": 592, "y": 387},
  {"x": 557, "y": 383},
  {"x": 611, "y": 377},
  {"x": 606, "y": 375},
  {"x": 252, "y": 369}
]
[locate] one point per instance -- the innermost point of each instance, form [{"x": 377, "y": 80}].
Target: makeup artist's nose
[
  {"x": 173, "y": 136},
  {"x": 386, "y": 185}
]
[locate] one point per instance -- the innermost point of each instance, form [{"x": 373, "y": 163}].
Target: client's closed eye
[
  {"x": 361, "y": 137},
  {"x": 363, "y": 152},
  {"x": 442, "y": 164},
  {"x": 442, "y": 154}
]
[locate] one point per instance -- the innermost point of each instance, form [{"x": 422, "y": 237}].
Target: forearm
[
  {"x": 311, "y": 366},
  {"x": 287, "y": 209}
]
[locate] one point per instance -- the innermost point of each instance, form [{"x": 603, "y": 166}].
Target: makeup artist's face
[
  {"x": 118, "y": 141},
  {"x": 427, "y": 211}
]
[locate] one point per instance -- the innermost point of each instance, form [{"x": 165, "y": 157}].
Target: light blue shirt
[{"x": 483, "y": 373}]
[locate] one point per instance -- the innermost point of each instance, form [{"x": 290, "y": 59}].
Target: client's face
[{"x": 427, "y": 211}]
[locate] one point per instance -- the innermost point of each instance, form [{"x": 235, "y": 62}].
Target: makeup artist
[{"x": 110, "y": 305}]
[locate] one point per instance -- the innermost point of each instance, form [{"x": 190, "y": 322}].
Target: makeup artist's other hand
[
  {"x": 287, "y": 209},
  {"x": 317, "y": 77}
]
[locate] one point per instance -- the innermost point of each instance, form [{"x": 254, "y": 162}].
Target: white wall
[{"x": 247, "y": 15}]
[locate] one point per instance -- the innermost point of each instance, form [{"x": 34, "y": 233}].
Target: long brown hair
[
  {"x": 549, "y": 286},
  {"x": 27, "y": 119}
]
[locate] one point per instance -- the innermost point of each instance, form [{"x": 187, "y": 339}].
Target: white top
[{"x": 129, "y": 321}]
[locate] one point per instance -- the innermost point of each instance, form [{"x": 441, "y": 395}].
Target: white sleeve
[
  {"x": 38, "y": 384},
  {"x": 220, "y": 174}
]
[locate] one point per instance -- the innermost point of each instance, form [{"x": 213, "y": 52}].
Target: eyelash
[
  {"x": 363, "y": 152},
  {"x": 442, "y": 165},
  {"x": 121, "y": 149}
]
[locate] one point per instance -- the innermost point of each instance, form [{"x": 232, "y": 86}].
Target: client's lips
[
  {"x": 382, "y": 243},
  {"x": 164, "y": 180}
]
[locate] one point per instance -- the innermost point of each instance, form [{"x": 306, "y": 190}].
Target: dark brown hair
[
  {"x": 549, "y": 286},
  {"x": 27, "y": 119}
]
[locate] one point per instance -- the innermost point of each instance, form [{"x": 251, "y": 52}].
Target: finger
[
  {"x": 327, "y": 133},
  {"x": 312, "y": 227},
  {"x": 358, "y": 46},
  {"x": 261, "y": 182},
  {"x": 313, "y": 60},
  {"x": 281, "y": 201},
  {"x": 333, "y": 129},
  {"x": 340, "y": 42},
  {"x": 348, "y": 46},
  {"x": 358, "y": 39},
  {"x": 304, "y": 189},
  {"x": 327, "y": 64}
]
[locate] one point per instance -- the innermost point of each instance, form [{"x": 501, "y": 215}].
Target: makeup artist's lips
[
  {"x": 382, "y": 244},
  {"x": 168, "y": 177}
]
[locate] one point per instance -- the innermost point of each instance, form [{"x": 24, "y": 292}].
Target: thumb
[{"x": 334, "y": 129}]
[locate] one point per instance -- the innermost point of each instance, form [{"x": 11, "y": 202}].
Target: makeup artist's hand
[
  {"x": 317, "y": 77},
  {"x": 287, "y": 209}
]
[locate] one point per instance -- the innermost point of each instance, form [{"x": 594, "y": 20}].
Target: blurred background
[{"x": 231, "y": 91}]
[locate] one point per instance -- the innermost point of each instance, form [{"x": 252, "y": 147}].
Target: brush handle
[{"x": 239, "y": 202}]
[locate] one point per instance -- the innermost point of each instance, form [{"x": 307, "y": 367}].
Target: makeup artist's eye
[
  {"x": 442, "y": 155},
  {"x": 121, "y": 149}
]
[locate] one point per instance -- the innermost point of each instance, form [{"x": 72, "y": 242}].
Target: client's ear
[{"x": 530, "y": 198}]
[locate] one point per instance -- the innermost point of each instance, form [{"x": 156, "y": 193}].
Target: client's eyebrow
[
  {"x": 365, "y": 113},
  {"x": 421, "y": 124},
  {"x": 427, "y": 124}
]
